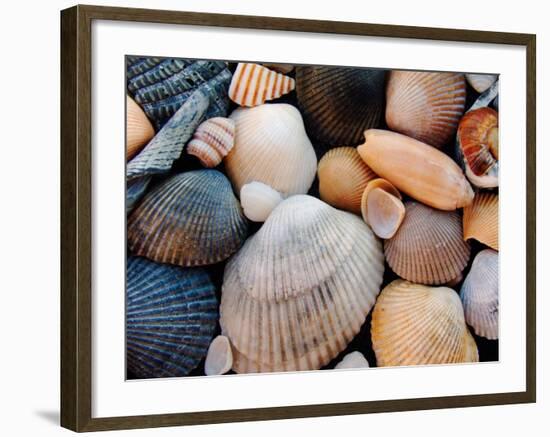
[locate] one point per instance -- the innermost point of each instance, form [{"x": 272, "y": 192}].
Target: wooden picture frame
[{"x": 76, "y": 217}]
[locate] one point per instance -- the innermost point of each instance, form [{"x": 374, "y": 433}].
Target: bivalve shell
[
  {"x": 480, "y": 219},
  {"x": 139, "y": 129},
  {"x": 258, "y": 200},
  {"x": 212, "y": 141},
  {"x": 481, "y": 82}
]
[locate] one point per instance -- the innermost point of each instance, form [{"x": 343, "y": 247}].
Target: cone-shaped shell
[
  {"x": 428, "y": 247},
  {"x": 477, "y": 140},
  {"x": 480, "y": 219},
  {"x": 425, "y": 106},
  {"x": 343, "y": 177},
  {"x": 212, "y": 141},
  {"x": 190, "y": 219},
  {"x": 219, "y": 358},
  {"x": 414, "y": 325},
  {"x": 353, "y": 360},
  {"x": 300, "y": 288},
  {"x": 421, "y": 171},
  {"x": 339, "y": 103},
  {"x": 271, "y": 146},
  {"x": 481, "y": 82},
  {"x": 479, "y": 295},
  {"x": 253, "y": 84},
  {"x": 171, "y": 315},
  {"x": 139, "y": 129},
  {"x": 258, "y": 200}
]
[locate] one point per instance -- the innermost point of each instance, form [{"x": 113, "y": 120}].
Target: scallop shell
[
  {"x": 481, "y": 82},
  {"x": 414, "y": 325},
  {"x": 300, "y": 288},
  {"x": 343, "y": 177},
  {"x": 271, "y": 146},
  {"x": 212, "y": 141},
  {"x": 419, "y": 170},
  {"x": 191, "y": 219},
  {"x": 383, "y": 210},
  {"x": 479, "y": 295},
  {"x": 339, "y": 103},
  {"x": 481, "y": 219},
  {"x": 139, "y": 129},
  {"x": 353, "y": 360},
  {"x": 219, "y": 358},
  {"x": 253, "y": 85},
  {"x": 171, "y": 315},
  {"x": 425, "y": 106},
  {"x": 428, "y": 247},
  {"x": 477, "y": 140},
  {"x": 258, "y": 200}
]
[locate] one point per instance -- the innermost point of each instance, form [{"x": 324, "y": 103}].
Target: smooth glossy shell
[
  {"x": 479, "y": 295},
  {"x": 428, "y": 247},
  {"x": 253, "y": 84},
  {"x": 219, "y": 358},
  {"x": 481, "y": 82},
  {"x": 343, "y": 177},
  {"x": 212, "y": 141},
  {"x": 300, "y": 288},
  {"x": 480, "y": 219},
  {"x": 419, "y": 170},
  {"x": 271, "y": 146},
  {"x": 353, "y": 360},
  {"x": 258, "y": 200},
  {"x": 385, "y": 212},
  {"x": 139, "y": 129},
  {"x": 171, "y": 315},
  {"x": 415, "y": 325},
  {"x": 190, "y": 219},
  {"x": 376, "y": 183},
  {"x": 425, "y": 106},
  {"x": 478, "y": 141},
  {"x": 339, "y": 103}
]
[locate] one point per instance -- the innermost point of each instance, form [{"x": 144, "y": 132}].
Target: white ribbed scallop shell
[
  {"x": 299, "y": 289},
  {"x": 479, "y": 295}
]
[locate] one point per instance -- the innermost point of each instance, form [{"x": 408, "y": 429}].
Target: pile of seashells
[{"x": 287, "y": 218}]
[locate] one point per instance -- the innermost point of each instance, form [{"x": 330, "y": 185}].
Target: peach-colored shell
[
  {"x": 253, "y": 84},
  {"x": 480, "y": 219},
  {"x": 419, "y": 170},
  {"x": 139, "y": 129},
  {"x": 414, "y": 324},
  {"x": 382, "y": 208},
  {"x": 212, "y": 141},
  {"x": 425, "y": 106}
]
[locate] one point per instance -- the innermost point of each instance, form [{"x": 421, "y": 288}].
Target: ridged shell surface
[
  {"x": 253, "y": 84},
  {"x": 479, "y": 295},
  {"x": 425, "y": 106},
  {"x": 171, "y": 316},
  {"x": 415, "y": 325},
  {"x": 139, "y": 129},
  {"x": 480, "y": 219},
  {"x": 481, "y": 82},
  {"x": 212, "y": 141},
  {"x": 190, "y": 219},
  {"x": 271, "y": 146},
  {"x": 339, "y": 103},
  {"x": 428, "y": 247},
  {"x": 300, "y": 288}
]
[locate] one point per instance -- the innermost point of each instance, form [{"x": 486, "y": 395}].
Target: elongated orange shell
[
  {"x": 343, "y": 177},
  {"x": 425, "y": 106},
  {"x": 139, "y": 129},
  {"x": 480, "y": 219},
  {"x": 419, "y": 170},
  {"x": 428, "y": 247},
  {"x": 415, "y": 325},
  {"x": 253, "y": 85},
  {"x": 212, "y": 141}
]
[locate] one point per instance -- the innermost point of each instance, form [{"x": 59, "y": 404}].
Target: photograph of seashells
[{"x": 291, "y": 218}]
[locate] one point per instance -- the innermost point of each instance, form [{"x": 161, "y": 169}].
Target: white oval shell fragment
[
  {"x": 219, "y": 358},
  {"x": 258, "y": 200},
  {"x": 212, "y": 141},
  {"x": 353, "y": 360},
  {"x": 481, "y": 82}
]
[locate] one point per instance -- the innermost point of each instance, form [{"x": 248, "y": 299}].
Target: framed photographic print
[{"x": 252, "y": 204}]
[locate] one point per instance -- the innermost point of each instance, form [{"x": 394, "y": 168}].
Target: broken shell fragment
[
  {"x": 212, "y": 141},
  {"x": 353, "y": 360},
  {"x": 382, "y": 208},
  {"x": 481, "y": 82},
  {"x": 258, "y": 200},
  {"x": 219, "y": 358}
]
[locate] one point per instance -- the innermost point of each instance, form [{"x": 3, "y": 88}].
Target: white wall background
[{"x": 29, "y": 216}]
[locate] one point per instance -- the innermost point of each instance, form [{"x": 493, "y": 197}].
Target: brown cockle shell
[
  {"x": 382, "y": 208},
  {"x": 212, "y": 141},
  {"x": 480, "y": 219},
  {"x": 139, "y": 129}
]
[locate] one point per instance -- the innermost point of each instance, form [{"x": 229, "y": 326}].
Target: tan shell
[
  {"x": 139, "y": 129},
  {"x": 428, "y": 247},
  {"x": 212, "y": 141},
  {"x": 414, "y": 325},
  {"x": 381, "y": 208},
  {"x": 253, "y": 85},
  {"x": 481, "y": 219},
  {"x": 421, "y": 171},
  {"x": 300, "y": 288},
  {"x": 271, "y": 146},
  {"x": 481, "y": 82},
  {"x": 425, "y": 106},
  {"x": 343, "y": 177},
  {"x": 280, "y": 68}
]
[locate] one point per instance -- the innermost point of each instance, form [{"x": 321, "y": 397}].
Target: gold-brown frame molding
[{"x": 76, "y": 217}]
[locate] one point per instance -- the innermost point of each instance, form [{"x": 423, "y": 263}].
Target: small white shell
[
  {"x": 258, "y": 200},
  {"x": 353, "y": 360},
  {"x": 219, "y": 358},
  {"x": 481, "y": 82}
]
